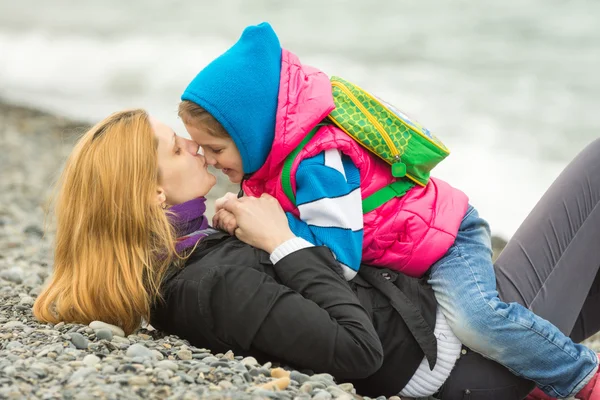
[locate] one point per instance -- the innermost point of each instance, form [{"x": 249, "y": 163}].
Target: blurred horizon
[{"x": 511, "y": 88}]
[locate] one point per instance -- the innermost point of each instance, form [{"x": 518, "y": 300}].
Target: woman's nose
[{"x": 193, "y": 147}]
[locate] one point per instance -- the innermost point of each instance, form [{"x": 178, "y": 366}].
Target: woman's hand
[{"x": 261, "y": 222}]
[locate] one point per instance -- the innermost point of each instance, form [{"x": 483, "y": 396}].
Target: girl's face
[{"x": 220, "y": 152}]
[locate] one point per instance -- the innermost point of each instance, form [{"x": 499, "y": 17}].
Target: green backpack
[{"x": 410, "y": 149}]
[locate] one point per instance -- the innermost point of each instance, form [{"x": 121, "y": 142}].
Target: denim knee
[{"x": 477, "y": 324}]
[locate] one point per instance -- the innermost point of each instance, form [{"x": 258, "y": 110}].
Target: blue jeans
[{"x": 464, "y": 283}]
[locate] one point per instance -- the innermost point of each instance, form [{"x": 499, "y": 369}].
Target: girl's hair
[
  {"x": 114, "y": 242},
  {"x": 192, "y": 114}
]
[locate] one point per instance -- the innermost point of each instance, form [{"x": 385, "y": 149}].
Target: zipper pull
[
  {"x": 241, "y": 192},
  {"x": 398, "y": 168}
]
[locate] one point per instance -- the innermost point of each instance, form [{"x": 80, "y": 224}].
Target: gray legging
[{"x": 551, "y": 266}]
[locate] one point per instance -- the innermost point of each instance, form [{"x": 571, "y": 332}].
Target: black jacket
[{"x": 301, "y": 312}]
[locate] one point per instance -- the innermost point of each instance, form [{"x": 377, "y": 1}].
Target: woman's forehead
[{"x": 164, "y": 133}]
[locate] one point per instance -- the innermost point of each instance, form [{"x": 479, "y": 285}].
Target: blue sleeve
[{"x": 329, "y": 200}]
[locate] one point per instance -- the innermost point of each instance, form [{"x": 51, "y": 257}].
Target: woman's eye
[{"x": 218, "y": 151}]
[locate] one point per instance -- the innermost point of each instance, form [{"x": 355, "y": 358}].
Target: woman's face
[
  {"x": 183, "y": 172},
  {"x": 222, "y": 153}
]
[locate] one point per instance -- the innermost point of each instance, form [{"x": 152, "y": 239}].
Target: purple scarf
[{"x": 190, "y": 223}]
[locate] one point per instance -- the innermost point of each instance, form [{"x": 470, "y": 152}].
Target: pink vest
[{"x": 406, "y": 234}]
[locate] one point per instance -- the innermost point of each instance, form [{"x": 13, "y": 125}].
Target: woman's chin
[{"x": 213, "y": 179}]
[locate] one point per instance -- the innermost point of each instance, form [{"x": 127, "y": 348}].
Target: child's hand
[
  {"x": 261, "y": 222},
  {"x": 225, "y": 221},
  {"x": 221, "y": 200}
]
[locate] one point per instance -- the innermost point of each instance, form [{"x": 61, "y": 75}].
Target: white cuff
[{"x": 288, "y": 247}]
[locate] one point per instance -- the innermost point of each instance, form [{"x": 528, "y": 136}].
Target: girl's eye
[
  {"x": 218, "y": 151},
  {"x": 178, "y": 151}
]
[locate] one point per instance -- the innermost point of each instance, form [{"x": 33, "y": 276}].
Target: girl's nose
[{"x": 210, "y": 160}]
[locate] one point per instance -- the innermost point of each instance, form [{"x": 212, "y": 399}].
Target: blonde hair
[
  {"x": 113, "y": 242},
  {"x": 192, "y": 114}
]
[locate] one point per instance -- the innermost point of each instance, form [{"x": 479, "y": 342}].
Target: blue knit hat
[{"x": 240, "y": 89}]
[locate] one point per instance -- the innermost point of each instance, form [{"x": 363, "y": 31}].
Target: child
[{"x": 251, "y": 107}]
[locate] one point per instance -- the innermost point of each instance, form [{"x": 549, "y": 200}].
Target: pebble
[
  {"x": 336, "y": 391},
  {"x": 158, "y": 355},
  {"x": 121, "y": 340},
  {"x": 91, "y": 360},
  {"x": 205, "y": 369},
  {"x": 14, "y": 274},
  {"x": 138, "y": 381},
  {"x": 299, "y": 377},
  {"x": 167, "y": 364},
  {"x": 39, "y": 369},
  {"x": 348, "y": 387},
  {"x": 104, "y": 334},
  {"x": 108, "y": 370},
  {"x": 225, "y": 385},
  {"x": 220, "y": 364},
  {"x": 139, "y": 350},
  {"x": 13, "y": 325},
  {"x": 79, "y": 341},
  {"x": 239, "y": 367},
  {"x": 26, "y": 301},
  {"x": 165, "y": 374},
  {"x": 345, "y": 396},
  {"x": 34, "y": 230},
  {"x": 250, "y": 361},
  {"x": 210, "y": 359},
  {"x": 317, "y": 385},
  {"x": 322, "y": 395},
  {"x": 323, "y": 378},
  {"x": 262, "y": 393},
  {"x": 127, "y": 368},
  {"x": 79, "y": 375},
  {"x": 306, "y": 387},
  {"x": 95, "y": 325},
  {"x": 14, "y": 345},
  {"x": 184, "y": 354}
]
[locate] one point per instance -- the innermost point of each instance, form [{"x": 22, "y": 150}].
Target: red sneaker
[
  {"x": 537, "y": 394},
  {"x": 591, "y": 391}
]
